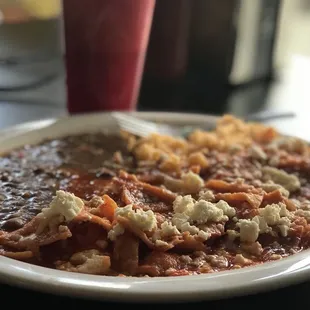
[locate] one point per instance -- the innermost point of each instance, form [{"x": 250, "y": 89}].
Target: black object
[{"x": 197, "y": 48}]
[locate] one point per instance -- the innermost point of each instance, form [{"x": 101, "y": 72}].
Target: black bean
[
  {"x": 105, "y": 172},
  {"x": 45, "y": 188},
  {"x": 51, "y": 174},
  {"x": 38, "y": 171},
  {"x": 10, "y": 184},
  {"x": 4, "y": 178},
  {"x": 19, "y": 203},
  {"x": 13, "y": 224},
  {"x": 27, "y": 195}
]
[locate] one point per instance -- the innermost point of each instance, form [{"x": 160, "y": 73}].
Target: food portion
[{"x": 158, "y": 206}]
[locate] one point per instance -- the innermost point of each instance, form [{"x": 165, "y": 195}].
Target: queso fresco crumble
[{"x": 158, "y": 206}]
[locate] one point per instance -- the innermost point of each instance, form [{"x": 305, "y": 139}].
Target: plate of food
[{"x": 89, "y": 210}]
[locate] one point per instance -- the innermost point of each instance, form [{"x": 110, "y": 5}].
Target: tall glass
[{"x": 106, "y": 42}]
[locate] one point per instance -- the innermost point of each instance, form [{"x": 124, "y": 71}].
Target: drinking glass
[{"x": 105, "y": 44}]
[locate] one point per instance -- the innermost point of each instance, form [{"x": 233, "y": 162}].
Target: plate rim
[{"x": 271, "y": 275}]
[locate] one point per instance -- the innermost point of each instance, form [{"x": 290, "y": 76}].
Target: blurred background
[{"x": 205, "y": 56}]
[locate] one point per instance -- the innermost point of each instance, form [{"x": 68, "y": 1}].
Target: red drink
[{"x": 106, "y": 42}]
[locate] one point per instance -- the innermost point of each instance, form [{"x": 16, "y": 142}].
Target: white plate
[{"x": 200, "y": 287}]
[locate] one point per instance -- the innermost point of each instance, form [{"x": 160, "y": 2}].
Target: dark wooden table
[{"x": 281, "y": 299}]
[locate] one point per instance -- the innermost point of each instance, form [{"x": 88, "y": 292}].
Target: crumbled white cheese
[
  {"x": 232, "y": 234},
  {"x": 283, "y": 210},
  {"x": 189, "y": 213},
  {"x": 204, "y": 235},
  {"x": 249, "y": 230},
  {"x": 206, "y": 195},
  {"x": 175, "y": 185},
  {"x": 304, "y": 205},
  {"x": 190, "y": 183},
  {"x": 271, "y": 213},
  {"x": 89, "y": 261},
  {"x": 272, "y": 147},
  {"x": 290, "y": 144},
  {"x": 204, "y": 211},
  {"x": 257, "y": 152},
  {"x": 185, "y": 226},
  {"x": 288, "y": 181},
  {"x": 217, "y": 261},
  {"x": 168, "y": 230},
  {"x": 274, "y": 160},
  {"x": 144, "y": 220},
  {"x": 262, "y": 224},
  {"x": 181, "y": 222},
  {"x": 270, "y": 186},
  {"x": 252, "y": 248},
  {"x": 235, "y": 219},
  {"x": 95, "y": 202},
  {"x": 64, "y": 207},
  {"x": 299, "y": 205},
  {"x": 303, "y": 213},
  {"x": 284, "y": 226},
  {"x": 116, "y": 231},
  {"x": 241, "y": 260},
  {"x": 64, "y": 203},
  {"x": 227, "y": 209},
  {"x": 234, "y": 148},
  {"x": 81, "y": 257},
  {"x": 183, "y": 204}
]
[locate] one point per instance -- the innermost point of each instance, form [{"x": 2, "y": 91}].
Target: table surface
[
  {"x": 290, "y": 94},
  {"x": 293, "y": 295}
]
